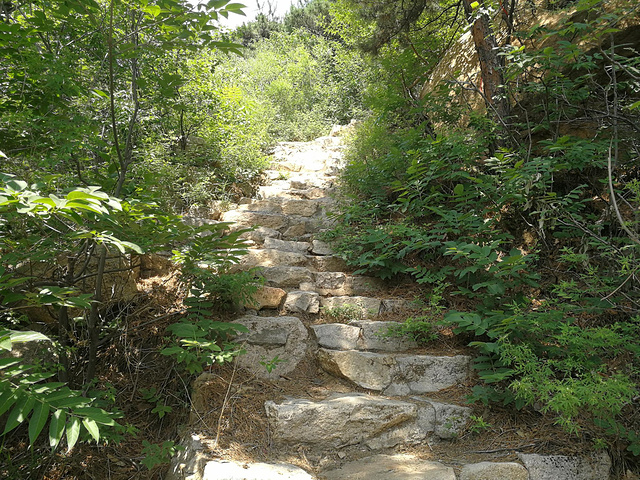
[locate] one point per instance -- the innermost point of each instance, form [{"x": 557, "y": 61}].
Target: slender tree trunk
[{"x": 491, "y": 64}]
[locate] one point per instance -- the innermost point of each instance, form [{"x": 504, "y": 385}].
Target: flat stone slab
[
  {"x": 328, "y": 263},
  {"x": 302, "y": 208},
  {"x": 337, "y": 336},
  {"x": 354, "y": 419},
  {"x": 252, "y": 219},
  {"x": 321, "y": 248},
  {"x": 266, "y": 297},
  {"x": 342, "y": 284},
  {"x": 226, "y": 470},
  {"x": 377, "y": 336},
  {"x": 284, "y": 276},
  {"x": 560, "y": 467},
  {"x": 338, "y": 421},
  {"x": 395, "y": 374},
  {"x": 268, "y": 337},
  {"x": 302, "y": 302},
  {"x": 494, "y": 471},
  {"x": 390, "y": 467},
  {"x": 269, "y": 257},
  {"x": 287, "y": 245},
  {"x": 366, "y": 306}
]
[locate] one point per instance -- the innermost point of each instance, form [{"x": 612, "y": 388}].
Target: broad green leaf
[
  {"x": 19, "y": 414},
  {"x": 8, "y": 362},
  {"x": 97, "y": 414},
  {"x": 27, "y": 336},
  {"x": 56, "y": 427},
  {"x": 7, "y": 399},
  {"x": 38, "y": 420},
  {"x": 152, "y": 10},
  {"x": 73, "y": 432},
  {"x": 217, "y": 3},
  {"x": 92, "y": 428},
  {"x": 99, "y": 93}
]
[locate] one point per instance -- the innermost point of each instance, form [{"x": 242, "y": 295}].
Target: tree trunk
[{"x": 491, "y": 64}]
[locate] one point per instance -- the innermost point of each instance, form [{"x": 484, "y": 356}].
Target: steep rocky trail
[{"x": 365, "y": 404}]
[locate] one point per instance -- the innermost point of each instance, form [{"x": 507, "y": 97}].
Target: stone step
[
  {"x": 350, "y": 307},
  {"x": 244, "y": 219},
  {"x": 281, "y": 341},
  {"x": 362, "y": 335},
  {"x": 194, "y": 462},
  {"x": 227, "y": 470},
  {"x": 270, "y": 257},
  {"x": 285, "y": 206},
  {"x": 559, "y": 467},
  {"x": 392, "y": 467},
  {"x": 287, "y": 245},
  {"x": 285, "y": 277},
  {"x": 357, "y": 419},
  {"x": 395, "y": 374},
  {"x": 343, "y": 284},
  {"x": 266, "y": 192}
]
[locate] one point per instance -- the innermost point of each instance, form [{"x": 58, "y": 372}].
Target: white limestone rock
[
  {"x": 338, "y": 421},
  {"x": 367, "y": 306},
  {"x": 560, "y": 467},
  {"x": 395, "y": 374},
  {"x": 266, "y": 297},
  {"x": 391, "y": 467},
  {"x": 302, "y": 302},
  {"x": 378, "y": 336},
  {"x": 287, "y": 246},
  {"x": 268, "y": 337},
  {"x": 269, "y": 257},
  {"x": 227, "y": 470},
  {"x": 244, "y": 219},
  {"x": 321, "y": 248},
  {"x": 494, "y": 471},
  {"x": 284, "y": 276},
  {"x": 337, "y": 336}
]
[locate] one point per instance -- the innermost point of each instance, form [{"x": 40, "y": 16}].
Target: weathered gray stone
[
  {"x": 560, "y": 467},
  {"x": 377, "y": 336},
  {"x": 391, "y": 467},
  {"x": 396, "y": 305},
  {"x": 297, "y": 230},
  {"x": 287, "y": 246},
  {"x": 449, "y": 419},
  {"x": 328, "y": 264},
  {"x": 303, "y": 208},
  {"x": 321, "y": 248},
  {"x": 244, "y": 219},
  {"x": 188, "y": 464},
  {"x": 330, "y": 280},
  {"x": 395, "y": 374},
  {"x": 227, "y": 470},
  {"x": 266, "y": 297},
  {"x": 260, "y": 234},
  {"x": 368, "y": 306},
  {"x": 337, "y": 336},
  {"x": 268, "y": 337},
  {"x": 269, "y": 205},
  {"x": 302, "y": 302},
  {"x": 494, "y": 471},
  {"x": 270, "y": 257},
  {"x": 368, "y": 370},
  {"x": 427, "y": 373},
  {"x": 340, "y": 420},
  {"x": 286, "y": 276}
]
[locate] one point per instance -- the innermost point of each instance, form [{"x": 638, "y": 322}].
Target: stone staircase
[{"x": 312, "y": 309}]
